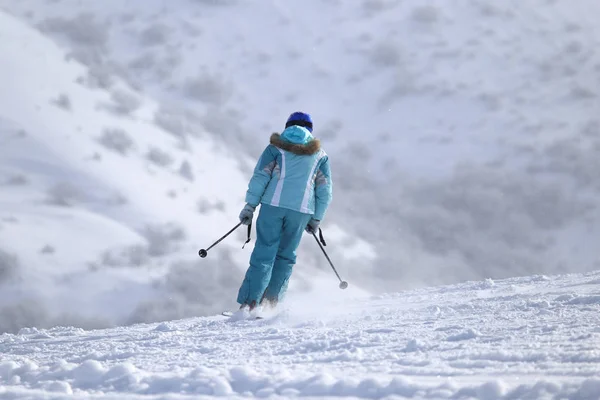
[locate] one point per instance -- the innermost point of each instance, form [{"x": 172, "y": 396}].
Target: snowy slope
[
  {"x": 86, "y": 197},
  {"x": 102, "y": 212},
  {"x": 462, "y": 135},
  {"x": 523, "y": 338}
]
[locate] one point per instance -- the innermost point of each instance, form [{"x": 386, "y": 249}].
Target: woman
[{"x": 292, "y": 183}]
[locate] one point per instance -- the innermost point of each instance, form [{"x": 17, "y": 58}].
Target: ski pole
[
  {"x": 204, "y": 252},
  {"x": 343, "y": 284}
]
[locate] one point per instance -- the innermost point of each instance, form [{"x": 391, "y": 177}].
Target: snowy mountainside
[
  {"x": 474, "y": 124},
  {"x": 533, "y": 337},
  {"x": 102, "y": 211}
]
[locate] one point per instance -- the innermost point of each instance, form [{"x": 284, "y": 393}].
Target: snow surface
[
  {"x": 463, "y": 138},
  {"x": 534, "y": 337}
]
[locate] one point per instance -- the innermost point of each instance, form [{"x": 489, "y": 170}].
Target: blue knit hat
[{"x": 300, "y": 119}]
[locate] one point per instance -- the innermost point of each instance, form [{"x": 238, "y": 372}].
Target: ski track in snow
[{"x": 532, "y": 337}]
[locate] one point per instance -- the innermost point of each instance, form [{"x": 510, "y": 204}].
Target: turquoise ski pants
[{"x": 279, "y": 231}]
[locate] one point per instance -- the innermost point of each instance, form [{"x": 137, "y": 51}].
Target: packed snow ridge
[{"x": 532, "y": 337}]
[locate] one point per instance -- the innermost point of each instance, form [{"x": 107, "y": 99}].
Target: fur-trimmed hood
[{"x": 311, "y": 147}]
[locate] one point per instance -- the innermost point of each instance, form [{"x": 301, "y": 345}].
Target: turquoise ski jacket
[{"x": 293, "y": 172}]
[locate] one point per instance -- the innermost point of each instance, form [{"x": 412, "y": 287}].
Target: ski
[{"x": 230, "y": 314}]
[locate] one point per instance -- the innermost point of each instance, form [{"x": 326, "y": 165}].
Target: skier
[{"x": 292, "y": 183}]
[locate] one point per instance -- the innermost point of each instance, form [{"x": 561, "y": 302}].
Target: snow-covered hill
[
  {"x": 102, "y": 211},
  {"x": 535, "y": 337},
  {"x": 90, "y": 185},
  {"x": 462, "y": 135}
]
